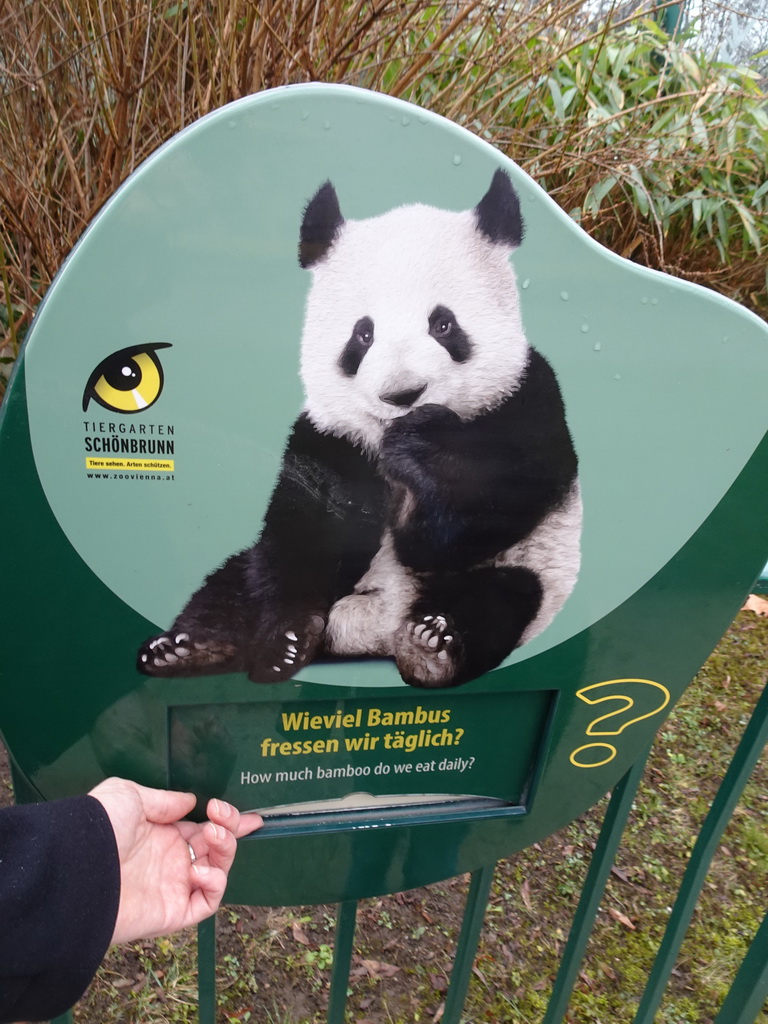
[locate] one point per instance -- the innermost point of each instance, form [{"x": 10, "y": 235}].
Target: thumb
[{"x": 165, "y": 806}]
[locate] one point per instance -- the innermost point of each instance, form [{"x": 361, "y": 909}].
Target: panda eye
[
  {"x": 360, "y": 340},
  {"x": 445, "y": 329},
  {"x": 442, "y": 322}
]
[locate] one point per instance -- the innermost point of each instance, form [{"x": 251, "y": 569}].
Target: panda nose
[{"x": 403, "y": 399}]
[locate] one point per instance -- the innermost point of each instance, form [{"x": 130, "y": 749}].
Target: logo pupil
[{"x": 123, "y": 376}]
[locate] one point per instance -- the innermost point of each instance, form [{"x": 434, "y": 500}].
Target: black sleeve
[{"x": 59, "y": 894}]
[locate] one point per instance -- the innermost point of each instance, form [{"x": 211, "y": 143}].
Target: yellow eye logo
[{"x": 127, "y": 381}]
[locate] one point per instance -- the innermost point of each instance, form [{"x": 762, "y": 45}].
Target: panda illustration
[{"x": 428, "y": 506}]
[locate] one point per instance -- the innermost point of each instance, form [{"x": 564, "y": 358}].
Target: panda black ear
[
  {"x": 498, "y": 212},
  {"x": 320, "y": 226}
]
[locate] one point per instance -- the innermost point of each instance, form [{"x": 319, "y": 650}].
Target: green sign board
[{"x": 348, "y": 479}]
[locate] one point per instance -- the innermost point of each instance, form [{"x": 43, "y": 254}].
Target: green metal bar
[
  {"x": 594, "y": 886},
  {"x": 342, "y": 960},
  {"x": 750, "y": 747},
  {"x": 670, "y": 16},
  {"x": 206, "y": 970},
  {"x": 750, "y": 986},
  {"x": 471, "y": 926}
]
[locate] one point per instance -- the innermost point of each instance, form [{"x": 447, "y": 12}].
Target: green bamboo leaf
[
  {"x": 723, "y": 227},
  {"x": 174, "y": 10},
  {"x": 749, "y": 225},
  {"x": 597, "y": 194},
  {"x": 557, "y": 98},
  {"x": 616, "y": 94},
  {"x": 568, "y": 96},
  {"x": 639, "y": 190},
  {"x": 641, "y": 200}
]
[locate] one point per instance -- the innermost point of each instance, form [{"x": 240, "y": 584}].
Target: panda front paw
[
  {"x": 178, "y": 654},
  {"x": 282, "y": 653},
  {"x": 429, "y": 652},
  {"x": 422, "y": 418},
  {"x": 415, "y": 446}
]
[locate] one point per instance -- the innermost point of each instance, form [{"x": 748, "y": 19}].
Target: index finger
[{"x": 222, "y": 813}]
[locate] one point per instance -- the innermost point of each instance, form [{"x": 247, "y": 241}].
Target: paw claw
[{"x": 429, "y": 653}]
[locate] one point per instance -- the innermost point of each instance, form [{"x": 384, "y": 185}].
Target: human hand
[{"x": 162, "y": 889}]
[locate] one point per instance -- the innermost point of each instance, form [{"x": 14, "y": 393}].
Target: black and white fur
[{"x": 428, "y": 506}]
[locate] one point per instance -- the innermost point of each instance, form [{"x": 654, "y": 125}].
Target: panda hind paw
[
  {"x": 176, "y": 654},
  {"x": 428, "y": 651},
  {"x": 288, "y": 650}
]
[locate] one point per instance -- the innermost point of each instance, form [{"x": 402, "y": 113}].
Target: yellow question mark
[{"x": 606, "y": 725}]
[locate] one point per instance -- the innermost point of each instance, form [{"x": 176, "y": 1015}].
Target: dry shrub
[{"x": 661, "y": 154}]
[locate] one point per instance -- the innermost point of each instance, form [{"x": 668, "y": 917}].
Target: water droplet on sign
[
  {"x": 304, "y": 115},
  {"x": 326, "y": 125},
  {"x": 526, "y": 282},
  {"x": 585, "y": 329},
  {"x": 597, "y": 347},
  {"x": 457, "y": 160},
  {"x": 564, "y": 296},
  {"x": 617, "y": 376},
  {"x": 405, "y": 121}
]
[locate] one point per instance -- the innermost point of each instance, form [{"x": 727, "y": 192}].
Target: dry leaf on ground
[
  {"x": 621, "y": 918},
  {"x": 758, "y": 605}
]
